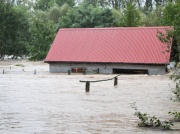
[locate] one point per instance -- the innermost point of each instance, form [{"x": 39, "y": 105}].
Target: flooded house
[{"x": 108, "y": 51}]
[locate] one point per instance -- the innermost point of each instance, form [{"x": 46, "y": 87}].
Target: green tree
[
  {"x": 171, "y": 17},
  {"x": 153, "y": 18},
  {"x": 96, "y": 3},
  {"x": 148, "y": 6},
  {"x": 14, "y": 30},
  {"x": 87, "y": 16},
  {"x": 118, "y": 4},
  {"x": 118, "y": 18},
  {"x": 43, "y": 4},
  {"x": 42, "y": 35},
  {"x": 5, "y": 9},
  {"x": 71, "y": 3},
  {"x": 21, "y": 33},
  {"x": 56, "y": 12},
  {"x": 46, "y": 4},
  {"x": 131, "y": 15}
]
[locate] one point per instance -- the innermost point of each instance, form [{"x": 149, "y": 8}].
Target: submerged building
[{"x": 108, "y": 50}]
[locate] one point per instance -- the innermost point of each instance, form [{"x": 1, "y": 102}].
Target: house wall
[{"x": 105, "y": 68}]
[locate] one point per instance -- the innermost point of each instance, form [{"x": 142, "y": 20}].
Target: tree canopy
[{"x": 29, "y": 27}]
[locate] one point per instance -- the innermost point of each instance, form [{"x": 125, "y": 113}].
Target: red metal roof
[{"x": 109, "y": 45}]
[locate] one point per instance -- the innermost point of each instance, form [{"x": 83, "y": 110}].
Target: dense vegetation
[{"x": 28, "y": 27}]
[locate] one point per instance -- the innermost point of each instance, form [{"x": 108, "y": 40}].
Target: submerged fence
[
  {"x": 11, "y": 70},
  {"x": 5, "y": 71},
  {"x": 87, "y": 85}
]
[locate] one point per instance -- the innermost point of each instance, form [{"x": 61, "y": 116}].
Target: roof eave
[{"x": 106, "y": 62}]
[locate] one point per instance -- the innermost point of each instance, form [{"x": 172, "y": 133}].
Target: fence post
[
  {"x": 69, "y": 72},
  {"x": 84, "y": 72},
  {"x": 3, "y": 71},
  {"x": 97, "y": 70},
  {"x": 87, "y": 86},
  {"x": 34, "y": 71},
  {"x": 115, "y": 81}
]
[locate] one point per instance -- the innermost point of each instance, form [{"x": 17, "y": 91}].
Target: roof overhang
[{"x": 85, "y": 62}]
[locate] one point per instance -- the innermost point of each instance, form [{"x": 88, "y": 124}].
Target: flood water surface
[{"x": 45, "y": 103}]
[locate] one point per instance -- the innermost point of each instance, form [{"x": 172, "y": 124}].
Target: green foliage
[
  {"x": 14, "y": 30},
  {"x": 117, "y": 18},
  {"x": 131, "y": 15},
  {"x": 42, "y": 35},
  {"x": 71, "y": 3},
  {"x": 176, "y": 77},
  {"x": 54, "y": 14},
  {"x": 166, "y": 38},
  {"x": 44, "y": 5},
  {"x": 151, "y": 121},
  {"x": 96, "y": 3},
  {"x": 176, "y": 115},
  {"x": 20, "y": 65},
  {"x": 153, "y": 18},
  {"x": 171, "y": 17},
  {"x": 27, "y": 27},
  {"x": 87, "y": 16}
]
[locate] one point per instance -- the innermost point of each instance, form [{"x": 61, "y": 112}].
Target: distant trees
[
  {"x": 14, "y": 28},
  {"x": 47, "y": 4},
  {"x": 28, "y": 28}
]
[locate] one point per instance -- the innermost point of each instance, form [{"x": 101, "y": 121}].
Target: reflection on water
[{"x": 54, "y": 104}]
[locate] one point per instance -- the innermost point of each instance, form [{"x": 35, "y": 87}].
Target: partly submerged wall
[{"x": 106, "y": 68}]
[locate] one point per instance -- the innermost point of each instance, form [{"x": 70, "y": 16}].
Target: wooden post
[
  {"x": 87, "y": 86},
  {"x": 97, "y": 70},
  {"x": 84, "y": 72},
  {"x": 115, "y": 81},
  {"x": 3, "y": 71},
  {"x": 34, "y": 71},
  {"x": 69, "y": 72}
]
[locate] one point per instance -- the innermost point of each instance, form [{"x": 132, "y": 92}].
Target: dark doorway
[{"x": 129, "y": 71}]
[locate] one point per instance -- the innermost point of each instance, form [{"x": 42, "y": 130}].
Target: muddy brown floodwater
[{"x": 47, "y": 103}]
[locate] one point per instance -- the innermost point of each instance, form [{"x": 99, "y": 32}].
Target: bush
[
  {"x": 148, "y": 121},
  {"x": 151, "y": 121}
]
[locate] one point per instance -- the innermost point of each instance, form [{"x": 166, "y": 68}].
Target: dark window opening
[{"x": 129, "y": 71}]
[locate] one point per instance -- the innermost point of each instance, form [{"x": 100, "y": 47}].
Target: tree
[
  {"x": 14, "y": 30},
  {"x": 42, "y": 35},
  {"x": 118, "y": 18},
  {"x": 42, "y": 4},
  {"x": 131, "y": 15},
  {"x": 71, "y": 3},
  {"x": 148, "y": 6},
  {"x": 118, "y": 4},
  {"x": 21, "y": 31},
  {"x": 171, "y": 17},
  {"x": 5, "y": 11},
  {"x": 87, "y": 16},
  {"x": 46, "y": 4},
  {"x": 56, "y": 12},
  {"x": 96, "y": 3},
  {"x": 153, "y": 18}
]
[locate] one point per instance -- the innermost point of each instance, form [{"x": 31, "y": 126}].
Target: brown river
[{"x": 45, "y": 103}]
